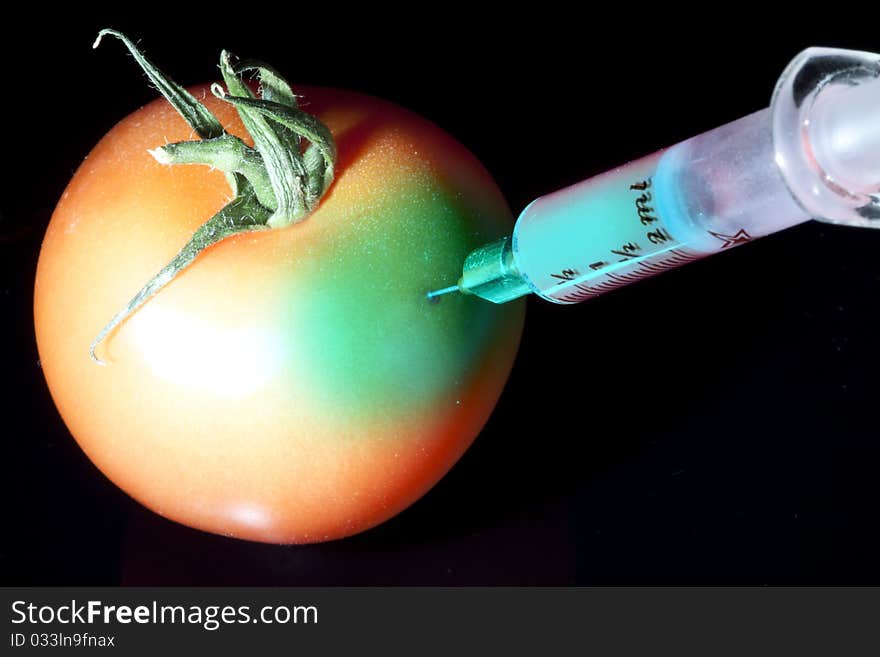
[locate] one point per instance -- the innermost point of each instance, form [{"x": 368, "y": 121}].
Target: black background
[{"x": 716, "y": 425}]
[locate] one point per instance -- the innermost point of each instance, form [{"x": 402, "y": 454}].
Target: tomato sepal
[
  {"x": 243, "y": 214},
  {"x": 227, "y": 153},
  {"x": 274, "y": 184}
]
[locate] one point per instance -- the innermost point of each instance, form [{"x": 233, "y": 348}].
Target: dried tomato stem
[{"x": 275, "y": 184}]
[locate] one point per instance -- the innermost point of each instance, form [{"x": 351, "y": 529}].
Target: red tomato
[{"x": 292, "y": 385}]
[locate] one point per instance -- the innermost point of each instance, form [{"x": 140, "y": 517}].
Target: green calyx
[{"x": 276, "y": 183}]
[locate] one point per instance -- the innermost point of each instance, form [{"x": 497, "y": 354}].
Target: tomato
[{"x": 292, "y": 385}]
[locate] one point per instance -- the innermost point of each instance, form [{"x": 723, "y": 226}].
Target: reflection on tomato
[{"x": 292, "y": 385}]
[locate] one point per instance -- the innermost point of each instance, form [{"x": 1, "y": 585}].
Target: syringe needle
[{"x": 437, "y": 293}]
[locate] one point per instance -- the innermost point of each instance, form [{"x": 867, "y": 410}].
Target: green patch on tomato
[{"x": 364, "y": 326}]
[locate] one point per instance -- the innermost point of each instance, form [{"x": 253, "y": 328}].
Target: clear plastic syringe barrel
[
  {"x": 813, "y": 154},
  {"x": 707, "y": 194}
]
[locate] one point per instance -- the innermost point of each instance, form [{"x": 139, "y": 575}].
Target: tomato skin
[{"x": 292, "y": 385}]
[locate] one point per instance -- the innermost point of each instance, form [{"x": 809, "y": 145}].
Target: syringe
[{"x": 814, "y": 153}]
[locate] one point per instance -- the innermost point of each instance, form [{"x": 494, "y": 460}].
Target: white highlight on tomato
[
  {"x": 250, "y": 515},
  {"x": 190, "y": 351}
]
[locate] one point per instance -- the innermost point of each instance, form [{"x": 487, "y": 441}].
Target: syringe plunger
[{"x": 844, "y": 132}]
